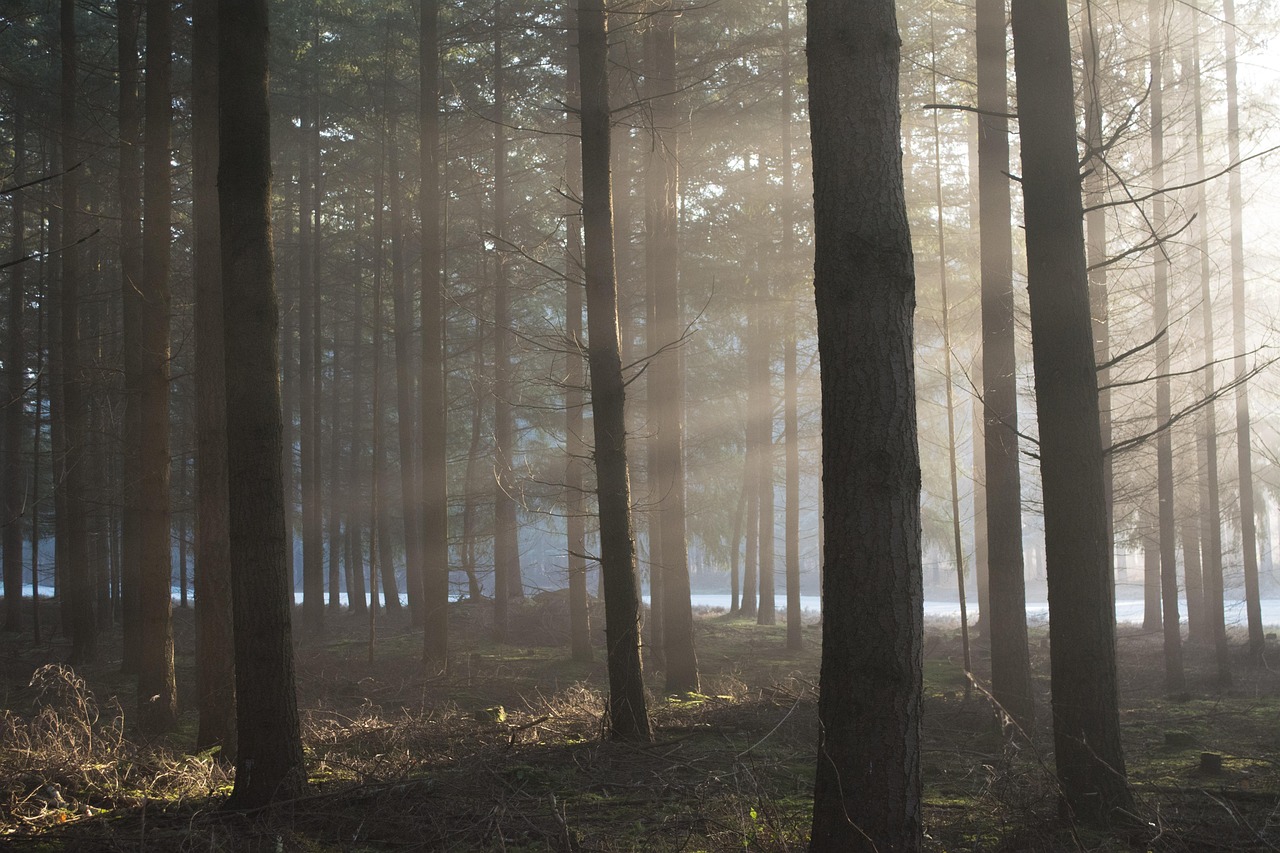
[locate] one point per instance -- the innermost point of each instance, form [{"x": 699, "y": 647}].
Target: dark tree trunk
[
  {"x": 1089, "y": 759},
  {"x": 215, "y": 650},
  {"x": 506, "y": 544},
  {"x": 790, "y": 381},
  {"x": 1210, "y": 511},
  {"x": 308, "y": 379},
  {"x": 269, "y": 762},
  {"x": 575, "y": 380},
  {"x": 627, "y": 709},
  {"x": 433, "y": 396},
  {"x": 77, "y": 583},
  {"x": 762, "y": 413},
  {"x": 1152, "y": 616},
  {"x": 128, "y": 15},
  {"x": 356, "y": 507},
  {"x": 867, "y": 791},
  {"x": 336, "y": 487},
  {"x": 1007, "y": 618},
  {"x": 1244, "y": 448},
  {"x": 380, "y": 549},
  {"x": 1174, "y": 681},
  {"x": 402, "y": 333},
  {"x": 157, "y": 689},
  {"x": 14, "y": 496}
]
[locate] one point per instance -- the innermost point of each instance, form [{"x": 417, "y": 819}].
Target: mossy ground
[{"x": 504, "y": 752}]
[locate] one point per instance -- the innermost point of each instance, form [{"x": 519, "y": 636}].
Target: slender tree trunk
[
  {"x": 790, "y": 381},
  {"x": 470, "y": 492},
  {"x": 128, "y": 15},
  {"x": 954, "y": 466},
  {"x": 157, "y": 689},
  {"x": 308, "y": 380},
  {"x": 1010, "y": 657},
  {"x": 1210, "y": 511},
  {"x": 14, "y": 485},
  {"x": 433, "y": 397},
  {"x": 380, "y": 551},
  {"x": 1174, "y": 680},
  {"x": 269, "y": 762},
  {"x": 506, "y": 544},
  {"x": 767, "y": 614},
  {"x": 576, "y": 450},
  {"x": 215, "y": 652},
  {"x": 734, "y": 550},
  {"x": 336, "y": 486},
  {"x": 867, "y": 790},
  {"x": 356, "y": 507},
  {"x": 35, "y": 468},
  {"x": 404, "y": 389},
  {"x": 1090, "y": 762},
  {"x": 1244, "y": 448},
  {"x": 74, "y": 559},
  {"x": 628, "y": 712},
  {"x": 1152, "y": 615}
]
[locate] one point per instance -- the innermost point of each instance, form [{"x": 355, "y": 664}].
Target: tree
[
  {"x": 867, "y": 790},
  {"x": 1086, "y": 725},
  {"x": 628, "y": 710},
  {"x": 157, "y": 689},
  {"x": 433, "y": 403},
  {"x": 1007, "y": 619},
  {"x": 790, "y": 381},
  {"x": 215, "y": 652},
  {"x": 13, "y": 364},
  {"x": 269, "y": 761},
  {"x": 73, "y": 557},
  {"x": 667, "y": 407}
]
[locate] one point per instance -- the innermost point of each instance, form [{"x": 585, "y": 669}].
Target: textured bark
[
  {"x": 575, "y": 379},
  {"x": 790, "y": 381},
  {"x": 157, "y": 689},
  {"x": 269, "y": 762},
  {"x": 308, "y": 379},
  {"x": 506, "y": 544},
  {"x": 671, "y": 562},
  {"x": 12, "y": 511},
  {"x": 867, "y": 790},
  {"x": 1174, "y": 680},
  {"x": 1210, "y": 511},
  {"x": 1244, "y": 448},
  {"x": 1007, "y": 618},
  {"x": 1090, "y": 763},
  {"x": 73, "y": 560},
  {"x": 128, "y": 15},
  {"x": 627, "y": 709},
  {"x": 215, "y": 650},
  {"x": 433, "y": 398}
]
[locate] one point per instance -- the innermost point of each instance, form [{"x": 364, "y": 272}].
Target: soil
[{"x": 504, "y": 752}]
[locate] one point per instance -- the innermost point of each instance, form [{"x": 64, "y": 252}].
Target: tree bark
[
  {"x": 78, "y": 618},
  {"x": 867, "y": 791},
  {"x": 14, "y": 491},
  {"x": 215, "y": 650},
  {"x": 1090, "y": 763},
  {"x": 1244, "y": 448},
  {"x": 433, "y": 397},
  {"x": 1010, "y": 657},
  {"x": 269, "y": 762},
  {"x": 627, "y": 708},
  {"x": 790, "y": 381},
  {"x": 157, "y": 689}
]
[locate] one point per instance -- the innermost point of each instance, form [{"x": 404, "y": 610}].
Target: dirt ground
[{"x": 505, "y": 752}]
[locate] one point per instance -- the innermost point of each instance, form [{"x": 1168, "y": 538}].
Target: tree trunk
[
  {"x": 14, "y": 496},
  {"x": 380, "y": 550},
  {"x": 1090, "y": 762},
  {"x": 269, "y": 762},
  {"x": 308, "y": 380},
  {"x": 1244, "y": 448},
  {"x": 627, "y": 709},
  {"x": 433, "y": 397},
  {"x": 1010, "y": 658},
  {"x": 506, "y": 544},
  {"x": 790, "y": 381},
  {"x": 575, "y": 381},
  {"x": 1210, "y": 511},
  {"x": 157, "y": 689},
  {"x": 128, "y": 15},
  {"x": 867, "y": 791},
  {"x": 1174, "y": 680},
  {"x": 215, "y": 651},
  {"x": 74, "y": 558}
]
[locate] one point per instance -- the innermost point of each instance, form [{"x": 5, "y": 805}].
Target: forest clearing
[{"x": 506, "y": 752}]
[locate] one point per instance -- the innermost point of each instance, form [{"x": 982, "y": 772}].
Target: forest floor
[{"x": 505, "y": 752}]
